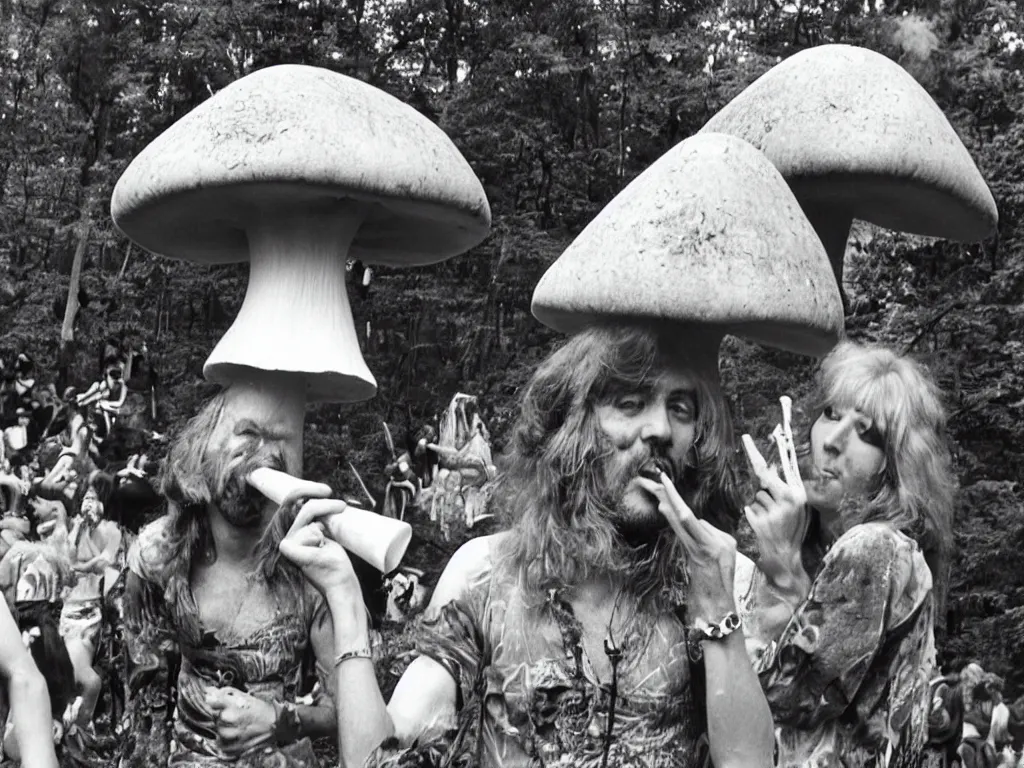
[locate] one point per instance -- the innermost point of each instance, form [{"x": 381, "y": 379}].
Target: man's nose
[{"x": 656, "y": 427}]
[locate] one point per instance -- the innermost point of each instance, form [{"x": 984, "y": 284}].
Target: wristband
[
  {"x": 703, "y": 630},
  {"x": 288, "y": 727},
  {"x": 361, "y": 653}
]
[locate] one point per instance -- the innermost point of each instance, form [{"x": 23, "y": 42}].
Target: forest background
[{"x": 557, "y": 105}]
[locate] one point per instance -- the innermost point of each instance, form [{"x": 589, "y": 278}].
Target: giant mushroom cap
[
  {"x": 708, "y": 238},
  {"x": 296, "y": 169},
  {"x": 856, "y": 137}
]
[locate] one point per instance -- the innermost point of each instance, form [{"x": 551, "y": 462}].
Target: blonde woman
[{"x": 854, "y": 541}]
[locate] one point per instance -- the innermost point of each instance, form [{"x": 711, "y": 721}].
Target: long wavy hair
[
  {"x": 552, "y": 493},
  {"x": 193, "y": 476},
  {"x": 916, "y": 492}
]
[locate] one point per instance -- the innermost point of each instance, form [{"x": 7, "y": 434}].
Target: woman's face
[{"x": 848, "y": 454}]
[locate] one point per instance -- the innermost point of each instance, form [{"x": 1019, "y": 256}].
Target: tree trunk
[{"x": 67, "y": 330}]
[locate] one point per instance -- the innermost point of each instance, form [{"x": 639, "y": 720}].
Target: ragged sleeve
[
  {"x": 851, "y": 641},
  {"x": 152, "y": 650}
]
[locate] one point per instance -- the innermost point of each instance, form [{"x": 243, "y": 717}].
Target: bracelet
[
  {"x": 361, "y": 653},
  {"x": 703, "y": 630}
]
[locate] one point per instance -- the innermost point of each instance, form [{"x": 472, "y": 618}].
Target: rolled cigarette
[{"x": 278, "y": 486}]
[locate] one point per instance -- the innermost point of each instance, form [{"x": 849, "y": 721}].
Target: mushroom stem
[
  {"x": 833, "y": 229},
  {"x": 296, "y": 307}
]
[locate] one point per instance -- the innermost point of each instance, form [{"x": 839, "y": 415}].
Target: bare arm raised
[
  {"x": 734, "y": 692},
  {"x": 424, "y": 701}
]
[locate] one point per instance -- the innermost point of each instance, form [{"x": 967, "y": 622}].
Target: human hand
[
  {"x": 710, "y": 553},
  {"x": 16, "y": 524},
  {"x": 323, "y": 561},
  {"x": 242, "y": 721},
  {"x": 778, "y": 515}
]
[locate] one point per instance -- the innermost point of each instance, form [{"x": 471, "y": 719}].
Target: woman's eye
[
  {"x": 830, "y": 413},
  {"x": 871, "y": 435},
  {"x": 630, "y": 404}
]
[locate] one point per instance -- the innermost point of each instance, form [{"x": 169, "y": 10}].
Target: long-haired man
[
  {"x": 599, "y": 628},
  {"x": 209, "y": 616}
]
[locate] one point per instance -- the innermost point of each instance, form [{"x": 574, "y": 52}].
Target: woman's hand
[
  {"x": 323, "y": 561},
  {"x": 242, "y": 721},
  {"x": 778, "y": 515},
  {"x": 711, "y": 553}
]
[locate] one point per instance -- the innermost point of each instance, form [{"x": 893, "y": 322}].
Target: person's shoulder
[
  {"x": 873, "y": 538},
  {"x": 468, "y": 569},
  {"x": 884, "y": 549},
  {"x": 151, "y": 552}
]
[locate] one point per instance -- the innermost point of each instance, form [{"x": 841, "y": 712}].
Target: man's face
[
  {"x": 245, "y": 439},
  {"x": 659, "y": 419}
]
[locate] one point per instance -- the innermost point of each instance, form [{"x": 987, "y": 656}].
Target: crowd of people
[
  {"x": 613, "y": 622},
  {"x": 74, "y": 492}
]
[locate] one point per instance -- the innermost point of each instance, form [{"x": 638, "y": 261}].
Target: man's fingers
[
  {"x": 684, "y": 514},
  {"x": 315, "y": 509},
  {"x": 308, "y": 490},
  {"x": 666, "y": 509}
]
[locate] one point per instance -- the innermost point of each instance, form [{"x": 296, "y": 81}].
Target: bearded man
[
  {"x": 600, "y": 628},
  {"x": 210, "y": 615}
]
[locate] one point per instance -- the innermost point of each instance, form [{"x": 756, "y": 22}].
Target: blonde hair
[{"x": 917, "y": 488}]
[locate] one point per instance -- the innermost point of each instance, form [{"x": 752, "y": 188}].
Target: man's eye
[
  {"x": 684, "y": 410},
  {"x": 630, "y": 404}
]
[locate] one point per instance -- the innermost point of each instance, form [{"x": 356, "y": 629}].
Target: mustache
[
  {"x": 653, "y": 465},
  {"x": 240, "y": 465}
]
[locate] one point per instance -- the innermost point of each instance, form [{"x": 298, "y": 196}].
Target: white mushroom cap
[
  {"x": 296, "y": 169},
  {"x": 301, "y": 135},
  {"x": 709, "y": 238},
  {"x": 856, "y": 137}
]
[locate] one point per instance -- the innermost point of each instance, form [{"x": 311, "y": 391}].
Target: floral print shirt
[
  {"x": 531, "y": 699},
  {"x": 847, "y": 680},
  {"x": 172, "y": 659}
]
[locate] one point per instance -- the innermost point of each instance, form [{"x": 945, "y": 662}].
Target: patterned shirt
[
  {"x": 847, "y": 680},
  {"x": 162, "y": 633},
  {"x": 531, "y": 697}
]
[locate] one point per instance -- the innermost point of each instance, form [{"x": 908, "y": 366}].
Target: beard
[
  {"x": 628, "y": 533},
  {"x": 241, "y": 504},
  {"x": 634, "y": 511}
]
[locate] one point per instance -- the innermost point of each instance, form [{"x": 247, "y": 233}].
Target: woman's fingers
[
  {"x": 787, "y": 431},
  {"x": 789, "y": 471},
  {"x": 767, "y": 475}
]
